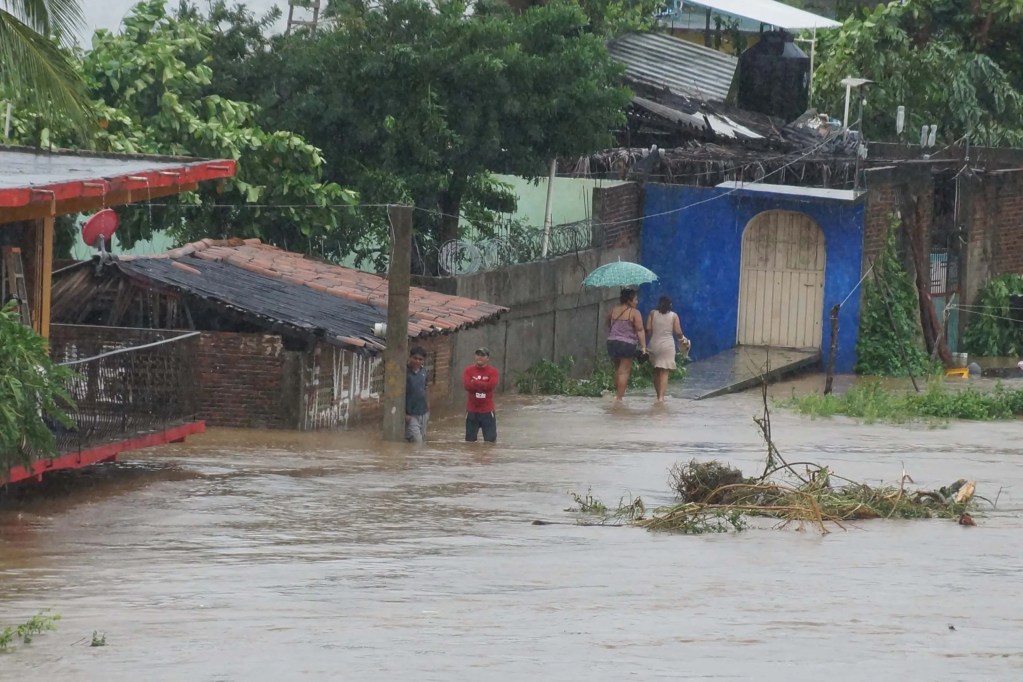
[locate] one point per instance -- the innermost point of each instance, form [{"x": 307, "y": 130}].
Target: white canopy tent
[
  {"x": 772, "y": 13},
  {"x": 769, "y": 12}
]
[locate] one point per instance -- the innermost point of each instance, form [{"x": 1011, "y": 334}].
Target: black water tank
[{"x": 774, "y": 77}]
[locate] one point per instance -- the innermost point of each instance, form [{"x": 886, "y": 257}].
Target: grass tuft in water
[
  {"x": 871, "y": 402},
  {"x": 625, "y": 512}
]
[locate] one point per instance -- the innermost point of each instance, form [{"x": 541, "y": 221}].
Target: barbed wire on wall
[{"x": 477, "y": 252}]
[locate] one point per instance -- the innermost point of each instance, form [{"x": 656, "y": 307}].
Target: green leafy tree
[
  {"x": 237, "y": 36},
  {"x": 32, "y": 393},
  {"x": 994, "y": 329},
  {"x": 889, "y": 342},
  {"x": 36, "y": 66},
  {"x": 611, "y": 18},
  {"x": 940, "y": 59},
  {"x": 422, "y": 102},
  {"x": 152, "y": 83}
]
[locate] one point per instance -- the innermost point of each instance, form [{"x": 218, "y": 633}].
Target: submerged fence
[{"x": 128, "y": 382}]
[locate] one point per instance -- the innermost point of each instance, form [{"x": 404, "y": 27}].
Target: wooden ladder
[
  {"x": 308, "y": 5},
  {"x": 14, "y": 282}
]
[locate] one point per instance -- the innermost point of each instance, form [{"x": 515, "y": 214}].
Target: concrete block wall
[{"x": 551, "y": 315}]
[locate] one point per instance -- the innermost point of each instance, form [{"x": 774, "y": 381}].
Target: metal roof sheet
[
  {"x": 332, "y": 302},
  {"x": 27, "y": 169},
  {"x": 811, "y": 193},
  {"x": 720, "y": 124},
  {"x": 29, "y": 176},
  {"x": 767, "y": 12},
  {"x": 303, "y": 309},
  {"x": 679, "y": 65}
]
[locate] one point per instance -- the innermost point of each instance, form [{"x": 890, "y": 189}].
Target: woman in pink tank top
[{"x": 624, "y": 333}]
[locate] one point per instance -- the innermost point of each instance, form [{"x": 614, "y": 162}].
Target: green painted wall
[{"x": 572, "y": 200}]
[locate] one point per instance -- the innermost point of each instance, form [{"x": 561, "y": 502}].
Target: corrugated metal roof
[
  {"x": 767, "y": 12},
  {"x": 721, "y": 125},
  {"x": 332, "y": 302},
  {"x": 31, "y": 176},
  {"x": 684, "y": 67},
  {"x": 310, "y": 312}
]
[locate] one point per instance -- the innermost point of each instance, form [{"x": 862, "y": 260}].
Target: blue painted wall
[{"x": 697, "y": 252}]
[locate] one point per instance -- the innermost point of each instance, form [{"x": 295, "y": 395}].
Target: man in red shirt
[{"x": 480, "y": 380}]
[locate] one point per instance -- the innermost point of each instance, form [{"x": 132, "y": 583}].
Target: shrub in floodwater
[
  {"x": 871, "y": 402},
  {"x": 32, "y": 393},
  {"x": 706, "y": 482},
  {"x": 546, "y": 377},
  {"x": 37, "y": 624}
]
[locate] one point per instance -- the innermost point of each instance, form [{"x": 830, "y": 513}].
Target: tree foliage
[
  {"x": 952, "y": 63},
  {"x": 152, "y": 85},
  {"x": 889, "y": 340},
  {"x": 421, "y": 102},
  {"x": 33, "y": 64},
  {"x": 993, "y": 329},
  {"x": 611, "y": 18},
  {"x": 32, "y": 393}
]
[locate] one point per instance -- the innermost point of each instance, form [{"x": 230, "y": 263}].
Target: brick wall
[
  {"x": 247, "y": 380},
  {"x": 882, "y": 202},
  {"x": 998, "y": 218},
  {"x": 438, "y": 365},
  {"x": 885, "y": 189},
  {"x": 617, "y": 213},
  {"x": 342, "y": 388}
]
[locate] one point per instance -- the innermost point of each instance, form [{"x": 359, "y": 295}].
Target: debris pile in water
[
  {"x": 818, "y": 497},
  {"x": 712, "y": 497}
]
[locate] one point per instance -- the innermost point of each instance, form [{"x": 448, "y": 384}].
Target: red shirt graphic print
[{"x": 479, "y": 383}]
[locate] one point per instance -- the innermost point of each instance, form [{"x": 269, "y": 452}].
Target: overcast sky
[{"x": 108, "y": 13}]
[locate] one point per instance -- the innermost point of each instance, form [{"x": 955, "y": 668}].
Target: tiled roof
[{"x": 337, "y": 303}]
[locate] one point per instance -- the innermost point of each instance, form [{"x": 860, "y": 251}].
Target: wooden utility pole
[
  {"x": 834, "y": 349},
  {"x": 396, "y": 355}
]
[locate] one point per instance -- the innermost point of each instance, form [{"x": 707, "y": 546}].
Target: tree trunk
[
  {"x": 450, "y": 203},
  {"x": 917, "y": 233}
]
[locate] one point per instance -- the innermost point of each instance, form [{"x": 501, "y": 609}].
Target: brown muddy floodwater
[{"x": 246, "y": 555}]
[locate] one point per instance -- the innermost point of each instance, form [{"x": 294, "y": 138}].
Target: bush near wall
[{"x": 994, "y": 329}]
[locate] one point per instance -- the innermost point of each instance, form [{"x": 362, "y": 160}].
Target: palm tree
[{"x": 33, "y": 68}]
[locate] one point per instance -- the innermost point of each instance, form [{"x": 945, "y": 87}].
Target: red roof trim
[
  {"x": 97, "y": 187},
  {"x": 102, "y": 453}
]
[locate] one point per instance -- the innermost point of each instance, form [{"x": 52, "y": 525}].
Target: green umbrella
[{"x": 619, "y": 274}]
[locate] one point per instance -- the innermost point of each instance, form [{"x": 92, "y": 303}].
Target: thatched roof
[{"x": 710, "y": 164}]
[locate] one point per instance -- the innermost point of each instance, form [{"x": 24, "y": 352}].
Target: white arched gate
[{"x": 781, "y": 290}]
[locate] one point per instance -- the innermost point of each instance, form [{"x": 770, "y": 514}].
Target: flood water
[{"x": 244, "y": 555}]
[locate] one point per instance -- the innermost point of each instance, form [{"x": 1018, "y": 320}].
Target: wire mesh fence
[
  {"x": 510, "y": 245},
  {"x": 124, "y": 386}
]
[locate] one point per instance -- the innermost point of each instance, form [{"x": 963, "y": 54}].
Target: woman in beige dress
[{"x": 663, "y": 327}]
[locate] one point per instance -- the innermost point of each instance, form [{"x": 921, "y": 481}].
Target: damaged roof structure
[
  {"x": 245, "y": 285},
  {"x": 683, "y": 126}
]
